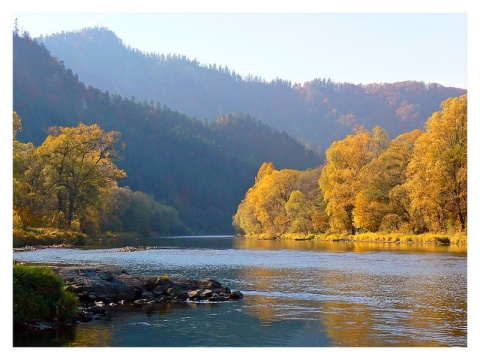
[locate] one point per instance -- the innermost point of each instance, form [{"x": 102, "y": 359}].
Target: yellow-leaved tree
[
  {"x": 77, "y": 166},
  {"x": 382, "y": 203},
  {"x": 341, "y": 178},
  {"x": 437, "y": 173},
  {"x": 281, "y": 201}
]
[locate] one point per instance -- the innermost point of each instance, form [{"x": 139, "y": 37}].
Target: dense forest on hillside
[
  {"x": 201, "y": 169},
  {"x": 318, "y": 112}
]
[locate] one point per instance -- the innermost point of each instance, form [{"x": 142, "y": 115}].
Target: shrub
[{"x": 39, "y": 295}]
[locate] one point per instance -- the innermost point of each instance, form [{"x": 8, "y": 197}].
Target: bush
[{"x": 39, "y": 295}]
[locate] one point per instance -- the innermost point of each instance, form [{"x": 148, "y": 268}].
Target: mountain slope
[
  {"x": 202, "y": 169},
  {"x": 317, "y": 112}
]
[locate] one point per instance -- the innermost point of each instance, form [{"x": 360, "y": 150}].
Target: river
[{"x": 296, "y": 294}]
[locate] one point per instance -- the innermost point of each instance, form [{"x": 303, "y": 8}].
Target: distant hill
[
  {"x": 203, "y": 169},
  {"x": 317, "y": 112}
]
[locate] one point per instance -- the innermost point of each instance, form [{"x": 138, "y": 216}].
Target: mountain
[
  {"x": 317, "y": 112},
  {"x": 203, "y": 169}
]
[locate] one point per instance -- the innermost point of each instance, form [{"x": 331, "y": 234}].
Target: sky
[{"x": 356, "y": 48}]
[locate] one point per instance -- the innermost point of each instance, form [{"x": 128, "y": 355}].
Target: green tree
[{"x": 145, "y": 216}]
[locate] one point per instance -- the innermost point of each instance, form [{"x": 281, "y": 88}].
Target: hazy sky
[{"x": 357, "y": 48}]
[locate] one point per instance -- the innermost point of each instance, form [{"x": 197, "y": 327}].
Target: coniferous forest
[{"x": 122, "y": 154}]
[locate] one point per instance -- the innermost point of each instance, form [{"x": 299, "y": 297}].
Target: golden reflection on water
[
  {"x": 372, "y": 309},
  {"x": 92, "y": 336},
  {"x": 254, "y": 243}
]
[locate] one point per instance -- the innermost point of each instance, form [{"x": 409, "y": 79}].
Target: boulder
[
  {"x": 95, "y": 286},
  {"x": 147, "y": 295},
  {"x": 205, "y": 294},
  {"x": 236, "y": 294},
  {"x": 194, "y": 294}
]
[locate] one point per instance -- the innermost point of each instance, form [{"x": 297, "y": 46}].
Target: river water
[{"x": 296, "y": 294}]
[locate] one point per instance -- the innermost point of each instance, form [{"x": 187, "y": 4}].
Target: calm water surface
[{"x": 296, "y": 293}]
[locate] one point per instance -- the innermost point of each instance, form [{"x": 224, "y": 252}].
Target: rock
[
  {"x": 205, "y": 294},
  {"x": 140, "y": 301},
  {"x": 220, "y": 290},
  {"x": 159, "y": 290},
  {"x": 107, "y": 276},
  {"x": 216, "y": 297},
  {"x": 150, "y": 283},
  {"x": 236, "y": 294},
  {"x": 194, "y": 294},
  {"x": 180, "y": 295},
  {"x": 97, "y": 286},
  {"x": 162, "y": 285},
  {"x": 97, "y": 309},
  {"x": 213, "y": 283},
  {"x": 147, "y": 295}
]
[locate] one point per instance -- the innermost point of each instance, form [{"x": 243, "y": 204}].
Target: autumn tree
[
  {"x": 305, "y": 206},
  {"x": 270, "y": 196},
  {"x": 437, "y": 182},
  {"x": 78, "y": 164},
  {"x": 382, "y": 202},
  {"x": 340, "y": 180},
  {"x": 26, "y": 177},
  {"x": 281, "y": 201}
]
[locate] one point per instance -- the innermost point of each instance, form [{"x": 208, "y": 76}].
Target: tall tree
[
  {"x": 438, "y": 171},
  {"x": 78, "y": 164},
  {"x": 281, "y": 201},
  {"x": 27, "y": 179},
  {"x": 380, "y": 203},
  {"x": 340, "y": 180}
]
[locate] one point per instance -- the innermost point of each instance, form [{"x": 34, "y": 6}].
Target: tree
[
  {"x": 380, "y": 202},
  {"x": 437, "y": 182},
  {"x": 340, "y": 180},
  {"x": 144, "y": 215},
  {"x": 281, "y": 201},
  {"x": 78, "y": 164}
]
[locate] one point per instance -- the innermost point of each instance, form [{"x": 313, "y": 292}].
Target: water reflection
[
  {"x": 297, "y": 293},
  {"x": 232, "y": 242},
  {"x": 339, "y": 246}
]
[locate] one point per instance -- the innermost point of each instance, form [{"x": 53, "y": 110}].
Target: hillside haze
[
  {"x": 202, "y": 169},
  {"x": 317, "y": 112}
]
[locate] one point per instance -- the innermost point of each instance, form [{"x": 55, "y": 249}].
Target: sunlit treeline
[
  {"x": 415, "y": 183},
  {"x": 71, "y": 181}
]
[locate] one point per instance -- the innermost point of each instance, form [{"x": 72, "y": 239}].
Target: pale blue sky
[{"x": 357, "y": 48}]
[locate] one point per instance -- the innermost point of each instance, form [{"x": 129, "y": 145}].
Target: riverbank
[
  {"x": 428, "y": 238},
  {"x": 47, "y": 237},
  {"x": 40, "y": 238}
]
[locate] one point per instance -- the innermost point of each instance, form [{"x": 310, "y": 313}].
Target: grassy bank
[
  {"x": 46, "y": 236},
  {"x": 428, "y": 238}
]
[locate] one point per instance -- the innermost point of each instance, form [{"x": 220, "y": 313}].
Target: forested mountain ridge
[
  {"x": 317, "y": 112},
  {"x": 201, "y": 169}
]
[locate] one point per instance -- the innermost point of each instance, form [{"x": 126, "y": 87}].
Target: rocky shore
[{"x": 99, "y": 288}]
